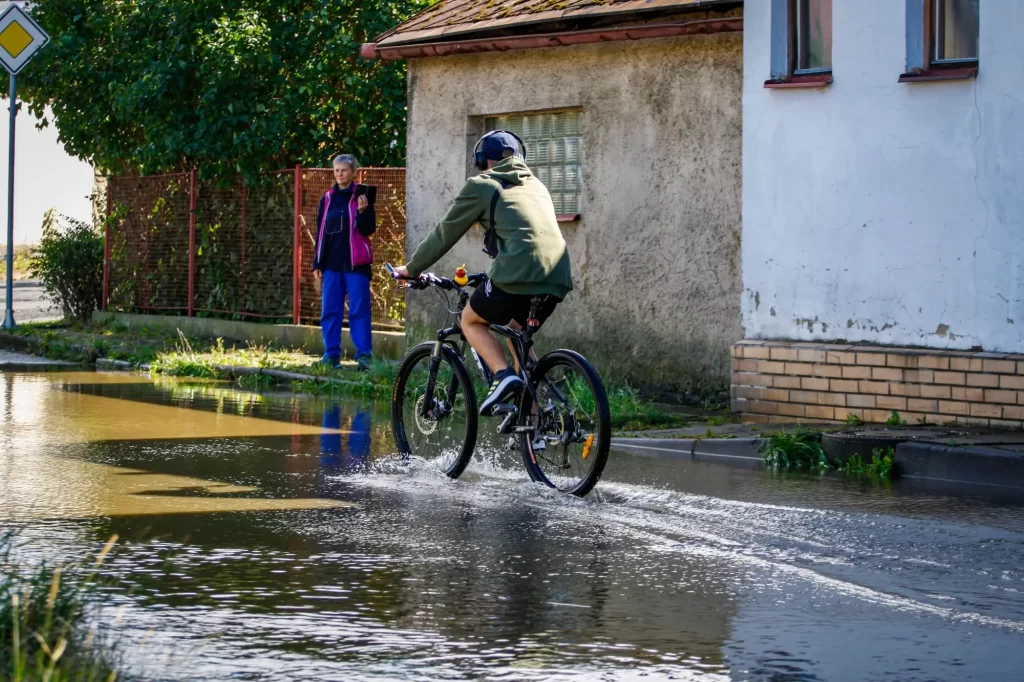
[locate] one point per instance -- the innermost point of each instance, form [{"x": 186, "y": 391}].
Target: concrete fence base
[{"x": 386, "y": 345}]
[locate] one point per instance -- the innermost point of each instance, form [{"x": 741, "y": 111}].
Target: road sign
[{"x": 20, "y": 38}]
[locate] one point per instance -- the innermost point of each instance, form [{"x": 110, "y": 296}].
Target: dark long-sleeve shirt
[{"x": 334, "y": 254}]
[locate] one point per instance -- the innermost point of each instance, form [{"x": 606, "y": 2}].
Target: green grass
[
  {"x": 45, "y": 628},
  {"x": 795, "y": 450},
  {"x": 180, "y": 355},
  {"x": 630, "y": 412},
  {"x": 880, "y": 466}
]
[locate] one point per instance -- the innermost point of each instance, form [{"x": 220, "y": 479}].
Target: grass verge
[
  {"x": 45, "y": 629},
  {"x": 180, "y": 355}
]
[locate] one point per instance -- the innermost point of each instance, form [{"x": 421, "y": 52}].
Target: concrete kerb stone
[
  {"x": 388, "y": 345},
  {"x": 987, "y": 466},
  {"x": 735, "y": 451},
  {"x": 20, "y": 362},
  {"x": 234, "y": 371},
  {"x": 965, "y": 464}
]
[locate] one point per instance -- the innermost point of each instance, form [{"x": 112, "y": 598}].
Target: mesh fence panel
[
  {"x": 149, "y": 243},
  {"x": 245, "y": 245}
]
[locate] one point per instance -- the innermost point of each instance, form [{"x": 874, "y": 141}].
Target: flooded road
[{"x": 276, "y": 537}]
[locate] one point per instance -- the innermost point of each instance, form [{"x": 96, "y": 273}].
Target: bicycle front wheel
[
  {"x": 568, "y": 447},
  {"x": 437, "y": 427}
]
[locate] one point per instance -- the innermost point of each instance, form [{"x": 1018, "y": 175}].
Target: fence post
[
  {"x": 106, "y": 245},
  {"x": 192, "y": 203},
  {"x": 245, "y": 198},
  {"x": 297, "y": 249}
]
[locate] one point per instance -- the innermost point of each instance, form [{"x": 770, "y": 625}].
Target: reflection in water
[
  {"x": 341, "y": 452},
  {"x": 673, "y": 570}
]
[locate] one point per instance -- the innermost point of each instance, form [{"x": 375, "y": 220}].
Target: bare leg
[
  {"x": 477, "y": 331},
  {"x": 511, "y": 349}
]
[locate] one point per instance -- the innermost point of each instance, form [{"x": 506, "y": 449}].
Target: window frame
[
  {"x": 785, "y": 71},
  {"x": 922, "y": 65},
  {"x": 796, "y": 21},
  {"x": 481, "y": 121}
]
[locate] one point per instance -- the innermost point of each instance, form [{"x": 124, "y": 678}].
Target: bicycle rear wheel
[
  {"x": 444, "y": 437},
  {"x": 572, "y": 416}
]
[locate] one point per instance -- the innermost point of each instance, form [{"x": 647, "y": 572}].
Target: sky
[{"x": 45, "y": 177}]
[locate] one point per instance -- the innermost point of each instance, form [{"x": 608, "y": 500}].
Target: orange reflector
[{"x": 587, "y": 445}]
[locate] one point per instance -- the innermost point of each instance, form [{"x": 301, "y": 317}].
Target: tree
[{"x": 228, "y": 86}]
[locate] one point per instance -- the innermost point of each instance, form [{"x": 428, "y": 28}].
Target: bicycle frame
[{"x": 522, "y": 344}]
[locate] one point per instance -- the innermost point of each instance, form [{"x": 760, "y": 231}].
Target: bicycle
[{"x": 561, "y": 418}]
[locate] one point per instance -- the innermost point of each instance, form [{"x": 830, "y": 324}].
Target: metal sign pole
[
  {"x": 20, "y": 39},
  {"x": 9, "y": 311}
]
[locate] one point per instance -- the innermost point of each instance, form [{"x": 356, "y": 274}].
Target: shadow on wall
[{"x": 698, "y": 364}]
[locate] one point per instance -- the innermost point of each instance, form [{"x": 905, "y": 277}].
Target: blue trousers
[{"x": 336, "y": 285}]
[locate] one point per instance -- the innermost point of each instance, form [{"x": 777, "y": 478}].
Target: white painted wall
[
  {"x": 886, "y": 212},
  {"x": 45, "y": 177}
]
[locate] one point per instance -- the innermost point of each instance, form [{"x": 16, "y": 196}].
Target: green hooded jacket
[{"x": 532, "y": 256}]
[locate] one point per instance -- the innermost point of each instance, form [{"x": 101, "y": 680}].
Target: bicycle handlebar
[{"x": 429, "y": 279}]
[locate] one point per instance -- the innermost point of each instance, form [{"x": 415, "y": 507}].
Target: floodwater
[{"x": 276, "y": 537}]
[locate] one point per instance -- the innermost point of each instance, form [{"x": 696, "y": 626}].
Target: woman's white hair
[{"x": 348, "y": 160}]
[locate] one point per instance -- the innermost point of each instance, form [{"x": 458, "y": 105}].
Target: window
[
  {"x": 552, "y": 152},
  {"x": 811, "y": 36},
  {"x": 955, "y": 31},
  {"x": 801, "y": 43},
  {"x": 942, "y": 39}
]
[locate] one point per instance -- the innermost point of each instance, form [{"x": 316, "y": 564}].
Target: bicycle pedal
[
  {"x": 506, "y": 423},
  {"x": 503, "y": 409}
]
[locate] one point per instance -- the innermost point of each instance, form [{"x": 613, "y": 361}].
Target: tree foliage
[{"x": 228, "y": 86}]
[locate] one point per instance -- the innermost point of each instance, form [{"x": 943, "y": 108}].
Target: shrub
[{"x": 69, "y": 264}]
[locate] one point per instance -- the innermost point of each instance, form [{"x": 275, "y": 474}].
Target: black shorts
[{"x": 500, "y": 307}]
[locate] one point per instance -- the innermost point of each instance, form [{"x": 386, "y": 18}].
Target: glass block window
[{"x": 552, "y": 152}]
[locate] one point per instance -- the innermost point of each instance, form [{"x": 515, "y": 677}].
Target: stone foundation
[{"x": 786, "y": 381}]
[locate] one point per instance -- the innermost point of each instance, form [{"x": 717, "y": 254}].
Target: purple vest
[{"x": 359, "y": 248}]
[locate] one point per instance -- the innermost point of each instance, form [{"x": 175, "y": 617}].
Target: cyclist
[{"x": 530, "y": 256}]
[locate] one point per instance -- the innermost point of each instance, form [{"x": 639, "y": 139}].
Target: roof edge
[
  {"x": 515, "y": 21},
  {"x": 562, "y": 39}
]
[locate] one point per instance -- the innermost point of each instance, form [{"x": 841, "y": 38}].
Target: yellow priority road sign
[{"x": 20, "y": 38}]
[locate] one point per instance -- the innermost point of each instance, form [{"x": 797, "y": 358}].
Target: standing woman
[{"x": 345, "y": 220}]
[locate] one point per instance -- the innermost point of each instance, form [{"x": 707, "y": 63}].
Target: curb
[
  {"x": 234, "y": 371},
  {"x": 54, "y": 366},
  {"x": 741, "y": 452},
  {"x": 974, "y": 465}
]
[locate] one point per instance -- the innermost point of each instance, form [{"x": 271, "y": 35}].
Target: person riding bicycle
[{"x": 530, "y": 256}]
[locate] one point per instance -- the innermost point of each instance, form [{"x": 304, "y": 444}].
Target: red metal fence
[{"x": 176, "y": 244}]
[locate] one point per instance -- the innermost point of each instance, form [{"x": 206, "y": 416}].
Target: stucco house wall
[
  {"x": 875, "y": 211},
  {"x": 656, "y": 254}
]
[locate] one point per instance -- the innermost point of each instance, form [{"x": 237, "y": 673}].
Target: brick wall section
[{"x": 784, "y": 381}]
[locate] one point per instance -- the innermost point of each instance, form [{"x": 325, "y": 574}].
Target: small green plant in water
[
  {"x": 880, "y": 466},
  {"x": 794, "y": 450}
]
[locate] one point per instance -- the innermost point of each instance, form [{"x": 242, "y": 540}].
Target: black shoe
[{"x": 505, "y": 385}]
